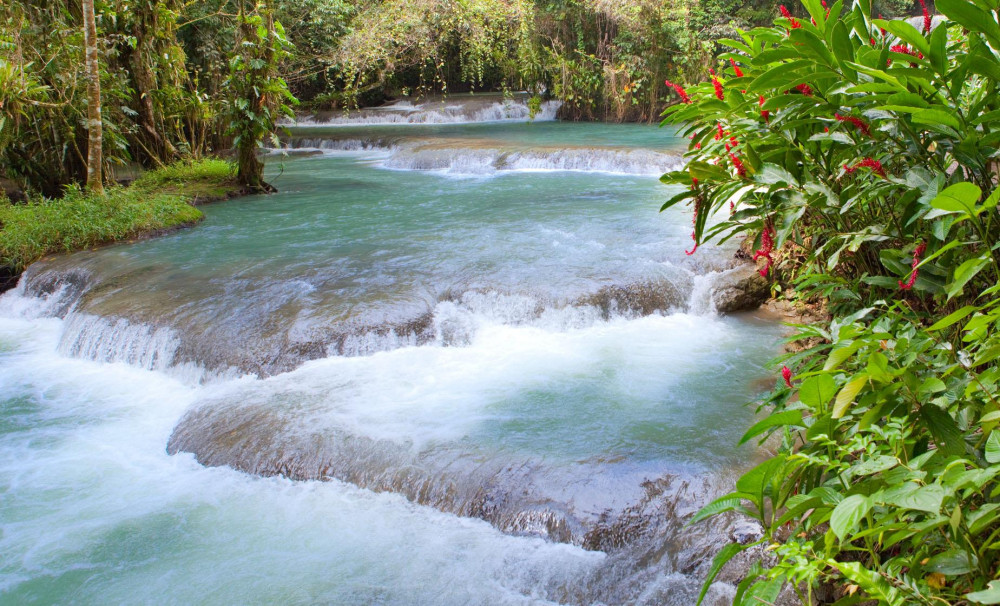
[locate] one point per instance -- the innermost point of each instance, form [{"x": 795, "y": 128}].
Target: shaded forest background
[{"x": 174, "y": 73}]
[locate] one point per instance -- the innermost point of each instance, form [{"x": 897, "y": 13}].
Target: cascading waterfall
[
  {"x": 514, "y": 390},
  {"x": 459, "y": 109}
]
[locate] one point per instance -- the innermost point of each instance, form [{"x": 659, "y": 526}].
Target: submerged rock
[{"x": 740, "y": 289}]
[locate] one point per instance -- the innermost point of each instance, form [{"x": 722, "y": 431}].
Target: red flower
[
  {"x": 913, "y": 266},
  {"x": 906, "y": 50},
  {"x": 717, "y": 85},
  {"x": 739, "y": 72},
  {"x": 881, "y": 29},
  {"x": 680, "y": 91},
  {"x": 766, "y": 246},
  {"x": 873, "y": 41},
  {"x": 927, "y": 17},
  {"x": 874, "y": 165},
  {"x": 857, "y": 122},
  {"x": 805, "y": 89},
  {"x": 738, "y": 164},
  {"x": 719, "y": 134},
  {"x": 764, "y": 113},
  {"x": 786, "y": 374},
  {"x": 788, "y": 15}
]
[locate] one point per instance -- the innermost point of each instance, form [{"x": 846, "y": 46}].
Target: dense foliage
[{"x": 865, "y": 151}]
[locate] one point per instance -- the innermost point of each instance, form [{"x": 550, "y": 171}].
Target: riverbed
[{"x": 452, "y": 361}]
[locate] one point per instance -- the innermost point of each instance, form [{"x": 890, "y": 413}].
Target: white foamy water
[
  {"x": 462, "y": 109},
  {"x": 94, "y": 511},
  {"x": 477, "y": 162}
]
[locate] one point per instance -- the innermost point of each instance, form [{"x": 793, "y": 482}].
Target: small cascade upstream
[
  {"x": 456, "y": 109},
  {"x": 384, "y": 385}
]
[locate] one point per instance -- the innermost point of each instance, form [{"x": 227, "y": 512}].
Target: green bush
[{"x": 865, "y": 151}]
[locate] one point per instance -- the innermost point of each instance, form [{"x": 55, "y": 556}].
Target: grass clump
[{"x": 160, "y": 199}]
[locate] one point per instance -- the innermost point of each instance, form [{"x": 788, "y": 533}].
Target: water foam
[
  {"x": 485, "y": 161},
  {"x": 437, "y": 112}
]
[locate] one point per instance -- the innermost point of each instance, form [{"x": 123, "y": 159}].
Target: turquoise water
[{"x": 481, "y": 367}]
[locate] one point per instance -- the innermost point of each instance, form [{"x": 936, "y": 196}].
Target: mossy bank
[{"x": 159, "y": 200}]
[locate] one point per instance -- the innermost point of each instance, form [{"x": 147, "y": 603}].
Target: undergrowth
[{"x": 159, "y": 199}]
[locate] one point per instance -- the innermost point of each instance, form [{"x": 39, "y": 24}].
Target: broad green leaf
[
  {"x": 771, "y": 174},
  {"x": 816, "y": 391},
  {"x": 965, "y": 272},
  {"x": 951, "y": 563},
  {"x": 958, "y": 198},
  {"x": 847, "y": 394},
  {"x": 990, "y": 595},
  {"x": 907, "y": 33},
  {"x": 722, "y": 504},
  {"x": 848, "y": 513},
  {"x": 952, "y": 318},
  {"x": 936, "y": 116},
  {"x": 912, "y": 496},
  {"x": 993, "y": 448},
  {"x": 971, "y": 17},
  {"x": 947, "y": 435},
  {"x": 788, "y": 417},
  {"x": 838, "y": 355}
]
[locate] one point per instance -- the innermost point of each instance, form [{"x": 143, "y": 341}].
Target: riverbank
[{"x": 159, "y": 200}]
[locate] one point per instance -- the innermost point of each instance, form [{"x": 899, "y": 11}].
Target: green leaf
[
  {"x": 838, "y": 355},
  {"x": 990, "y": 595},
  {"x": 971, "y": 17},
  {"x": 721, "y": 559},
  {"x": 936, "y": 116},
  {"x": 907, "y": 33},
  {"x": 871, "y": 582},
  {"x": 788, "y": 417},
  {"x": 951, "y": 563},
  {"x": 771, "y": 174},
  {"x": 952, "y": 318},
  {"x": 723, "y": 504},
  {"x": 993, "y": 448},
  {"x": 912, "y": 496},
  {"x": 947, "y": 435},
  {"x": 965, "y": 272},
  {"x": 848, "y": 513},
  {"x": 958, "y": 198},
  {"x": 847, "y": 394},
  {"x": 816, "y": 391}
]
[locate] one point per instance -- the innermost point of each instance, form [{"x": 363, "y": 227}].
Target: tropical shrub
[{"x": 865, "y": 151}]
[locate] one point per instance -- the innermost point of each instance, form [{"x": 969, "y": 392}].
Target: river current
[{"x": 459, "y": 358}]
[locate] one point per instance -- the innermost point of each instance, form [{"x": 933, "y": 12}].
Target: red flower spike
[
  {"x": 857, "y": 122},
  {"x": 927, "y": 17},
  {"x": 766, "y": 115},
  {"x": 881, "y": 29},
  {"x": 718, "y": 86},
  {"x": 805, "y": 89},
  {"x": 874, "y": 165},
  {"x": 788, "y": 15},
  {"x": 917, "y": 253},
  {"x": 766, "y": 246},
  {"x": 873, "y": 41},
  {"x": 680, "y": 91},
  {"x": 741, "y": 170},
  {"x": 786, "y": 374},
  {"x": 719, "y": 134},
  {"x": 739, "y": 72}
]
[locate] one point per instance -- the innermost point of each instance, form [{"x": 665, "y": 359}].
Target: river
[{"x": 452, "y": 361}]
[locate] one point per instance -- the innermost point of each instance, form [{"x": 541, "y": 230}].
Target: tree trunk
[{"x": 95, "y": 159}]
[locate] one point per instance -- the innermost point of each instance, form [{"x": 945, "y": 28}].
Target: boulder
[{"x": 740, "y": 289}]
